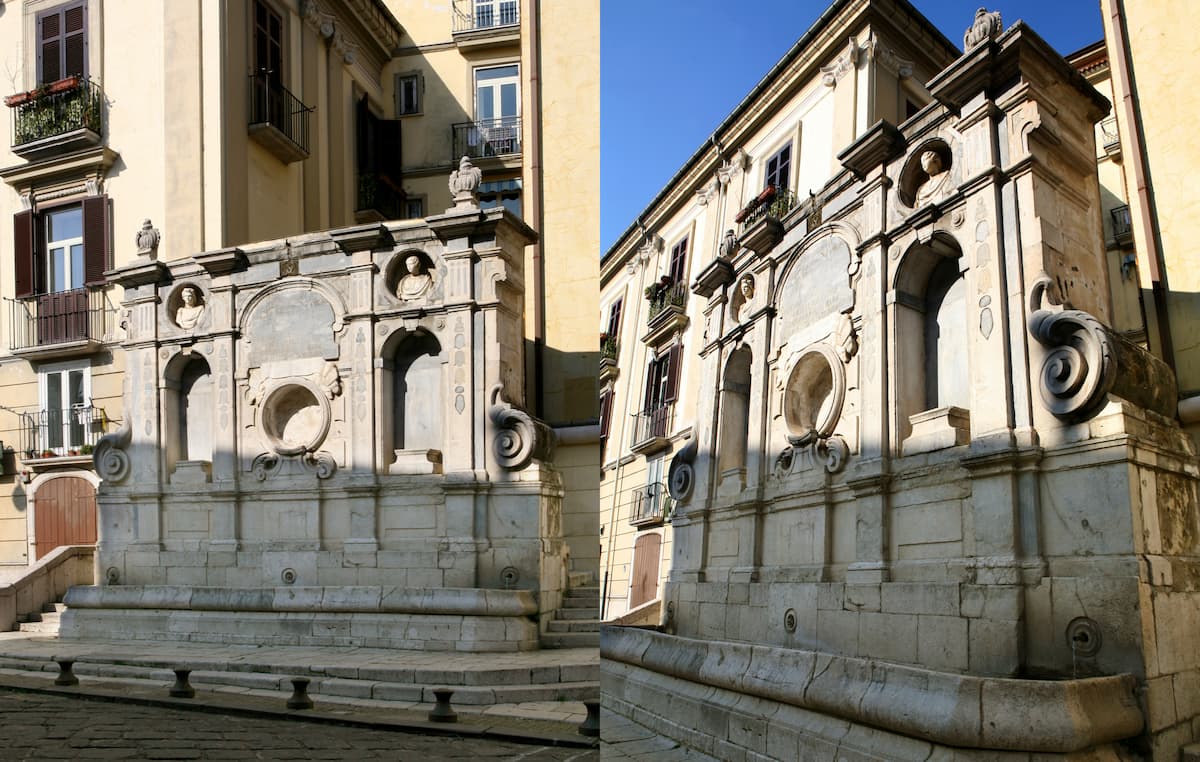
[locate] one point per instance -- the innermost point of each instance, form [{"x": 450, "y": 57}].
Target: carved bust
[
  {"x": 743, "y": 297},
  {"x": 936, "y": 179},
  {"x": 416, "y": 282},
  {"x": 190, "y": 312}
]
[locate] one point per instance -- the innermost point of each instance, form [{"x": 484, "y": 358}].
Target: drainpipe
[{"x": 535, "y": 210}]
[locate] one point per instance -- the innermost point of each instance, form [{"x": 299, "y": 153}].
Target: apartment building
[{"x": 161, "y": 131}]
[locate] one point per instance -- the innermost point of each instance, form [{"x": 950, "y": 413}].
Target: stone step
[
  {"x": 580, "y": 613},
  {"x": 478, "y": 687},
  {"x": 574, "y": 625},
  {"x": 45, "y": 627},
  {"x": 579, "y": 579},
  {"x": 583, "y": 592},
  {"x": 570, "y": 640},
  {"x": 581, "y": 603}
]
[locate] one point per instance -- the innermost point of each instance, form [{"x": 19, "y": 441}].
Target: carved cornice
[
  {"x": 844, "y": 63},
  {"x": 371, "y": 15},
  {"x": 887, "y": 58}
]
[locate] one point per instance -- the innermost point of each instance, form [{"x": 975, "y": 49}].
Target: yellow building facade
[{"x": 160, "y": 131}]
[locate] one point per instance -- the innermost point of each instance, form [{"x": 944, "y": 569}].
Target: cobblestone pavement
[
  {"x": 622, "y": 739},
  {"x": 39, "y": 726}
]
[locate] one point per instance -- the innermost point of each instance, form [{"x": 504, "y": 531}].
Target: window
[
  {"x": 65, "y": 394},
  {"x": 62, "y": 43},
  {"x": 497, "y": 96},
  {"x": 495, "y": 13},
  {"x": 61, "y": 249},
  {"x": 268, "y": 42},
  {"x": 414, "y": 208},
  {"x": 678, "y": 269},
  {"x": 378, "y": 156},
  {"x": 505, "y": 193},
  {"x": 606, "y": 400},
  {"x": 662, "y": 379},
  {"x": 614, "y": 319},
  {"x": 779, "y": 167},
  {"x": 408, "y": 94}
]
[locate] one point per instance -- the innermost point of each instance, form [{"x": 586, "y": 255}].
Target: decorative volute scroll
[
  {"x": 109, "y": 458},
  {"x": 987, "y": 26},
  {"x": 681, "y": 477},
  {"x": 519, "y": 436},
  {"x": 1086, "y": 361}
]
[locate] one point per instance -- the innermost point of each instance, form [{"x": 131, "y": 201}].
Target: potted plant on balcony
[
  {"x": 608, "y": 347},
  {"x": 85, "y": 450}
]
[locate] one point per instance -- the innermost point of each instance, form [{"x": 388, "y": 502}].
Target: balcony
[
  {"x": 278, "y": 120},
  {"x": 378, "y": 198},
  {"x": 650, "y": 506},
  {"x": 667, "y": 312},
  {"x": 609, "y": 351},
  {"x": 61, "y": 437},
  {"x": 652, "y": 429},
  {"x": 63, "y": 324},
  {"x": 1110, "y": 137},
  {"x": 493, "y": 138},
  {"x": 1122, "y": 225},
  {"x": 762, "y": 219},
  {"x": 486, "y": 23},
  {"x": 58, "y": 118}
]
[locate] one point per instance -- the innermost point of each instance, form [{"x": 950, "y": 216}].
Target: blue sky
[{"x": 671, "y": 71}]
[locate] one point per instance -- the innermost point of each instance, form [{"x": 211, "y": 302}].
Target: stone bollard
[
  {"x": 441, "y": 711},
  {"x": 182, "y": 688},
  {"x": 65, "y": 675},
  {"x": 299, "y": 698},
  {"x": 591, "y": 725}
]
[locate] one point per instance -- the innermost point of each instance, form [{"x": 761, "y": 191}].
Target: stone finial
[
  {"x": 464, "y": 181},
  {"x": 987, "y": 26},
  {"x": 147, "y": 239},
  {"x": 728, "y": 246}
]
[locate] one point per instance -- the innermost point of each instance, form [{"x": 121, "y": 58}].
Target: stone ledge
[
  {"x": 1021, "y": 715},
  {"x": 358, "y": 599}
]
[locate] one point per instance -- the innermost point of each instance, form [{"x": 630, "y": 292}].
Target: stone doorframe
[{"x": 31, "y": 504}]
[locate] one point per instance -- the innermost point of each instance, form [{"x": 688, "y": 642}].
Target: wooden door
[
  {"x": 644, "y": 585},
  {"x": 64, "y": 513}
]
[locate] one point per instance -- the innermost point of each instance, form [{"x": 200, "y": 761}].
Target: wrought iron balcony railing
[
  {"x": 73, "y": 431},
  {"x": 470, "y": 15},
  {"x": 1110, "y": 136},
  {"x": 664, "y": 298},
  {"x": 63, "y": 115},
  {"x": 1122, "y": 225},
  {"x": 278, "y": 118},
  {"x": 377, "y": 193},
  {"x": 46, "y": 321},
  {"x": 770, "y": 203},
  {"x": 488, "y": 138},
  {"x": 651, "y": 504},
  {"x": 652, "y": 425}
]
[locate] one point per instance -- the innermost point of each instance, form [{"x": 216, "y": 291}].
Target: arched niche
[
  {"x": 932, "y": 344},
  {"x": 188, "y": 410},
  {"x": 735, "y": 416},
  {"x": 413, "y": 401},
  {"x": 914, "y": 176},
  {"x": 292, "y": 319},
  {"x": 813, "y": 395}
]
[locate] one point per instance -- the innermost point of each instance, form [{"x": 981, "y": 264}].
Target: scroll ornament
[
  {"x": 1086, "y": 361},
  {"x": 519, "y": 436},
  {"x": 681, "y": 477},
  {"x": 109, "y": 458}
]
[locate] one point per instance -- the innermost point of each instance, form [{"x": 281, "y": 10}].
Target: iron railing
[
  {"x": 770, "y": 203},
  {"x": 59, "y": 318},
  {"x": 56, "y": 109},
  {"x": 1122, "y": 225},
  {"x": 652, "y": 424},
  {"x": 1110, "y": 135},
  {"x": 377, "y": 193},
  {"x": 57, "y": 433},
  {"x": 272, "y": 103},
  {"x": 671, "y": 296},
  {"x": 651, "y": 504},
  {"x": 485, "y": 14},
  {"x": 487, "y": 138},
  {"x": 609, "y": 348}
]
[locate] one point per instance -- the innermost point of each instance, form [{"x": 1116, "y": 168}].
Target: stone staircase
[
  {"x": 577, "y": 623},
  {"x": 45, "y": 623}
]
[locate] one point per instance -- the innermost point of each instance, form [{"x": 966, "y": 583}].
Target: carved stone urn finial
[
  {"x": 147, "y": 239},
  {"x": 464, "y": 181},
  {"x": 987, "y": 26}
]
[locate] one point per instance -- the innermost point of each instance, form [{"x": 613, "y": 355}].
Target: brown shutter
[
  {"x": 614, "y": 319},
  {"x": 605, "y": 411},
  {"x": 75, "y": 40},
  {"x": 49, "y": 46},
  {"x": 652, "y": 377},
  {"x": 95, "y": 239},
  {"x": 389, "y": 150},
  {"x": 674, "y": 357},
  {"x": 24, "y": 267}
]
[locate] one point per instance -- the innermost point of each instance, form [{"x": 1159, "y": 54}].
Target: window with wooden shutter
[
  {"x": 614, "y": 319},
  {"x": 62, "y": 43},
  {"x": 24, "y": 264},
  {"x": 678, "y": 261},
  {"x": 95, "y": 239},
  {"x": 671, "y": 381},
  {"x": 606, "y": 398}
]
